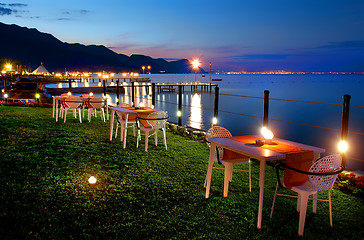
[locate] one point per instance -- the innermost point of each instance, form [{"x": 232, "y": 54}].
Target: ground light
[{"x": 92, "y": 180}]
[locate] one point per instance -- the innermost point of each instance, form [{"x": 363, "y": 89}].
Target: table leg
[
  {"x": 261, "y": 193},
  {"x": 209, "y": 169},
  {"x": 314, "y": 202},
  {"x": 125, "y": 129},
  {"x": 56, "y": 102},
  {"x": 112, "y": 123}
]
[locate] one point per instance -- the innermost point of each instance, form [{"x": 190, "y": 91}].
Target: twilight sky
[{"x": 236, "y": 35}]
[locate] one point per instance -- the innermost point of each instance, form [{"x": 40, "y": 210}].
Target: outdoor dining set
[
  {"x": 145, "y": 119},
  {"x": 305, "y": 172}
]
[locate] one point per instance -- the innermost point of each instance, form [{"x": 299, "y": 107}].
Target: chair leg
[
  {"x": 298, "y": 202},
  {"x": 164, "y": 137},
  {"x": 250, "y": 177},
  {"x": 79, "y": 114},
  {"x": 138, "y": 138},
  {"x": 122, "y": 131},
  {"x": 156, "y": 136},
  {"x": 303, "y": 209},
  {"x": 330, "y": 208},
  {"x": 274, "y": 200},
  {"x": 89, "y": 114},
  {"x": 65, "y": 115},
  {"x": 103, "y": 113},
  {"x": 314, "y": 203}
]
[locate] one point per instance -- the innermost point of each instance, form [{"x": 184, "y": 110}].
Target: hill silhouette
[{"x": 33, "y": 47}]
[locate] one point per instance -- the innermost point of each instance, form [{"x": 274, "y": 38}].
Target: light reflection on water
[{"x": 196, "y": 113}]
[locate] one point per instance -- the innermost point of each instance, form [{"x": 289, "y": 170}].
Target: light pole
[
  {"x": 143, "y": 70},
  {"x": 149, "y": 67}
]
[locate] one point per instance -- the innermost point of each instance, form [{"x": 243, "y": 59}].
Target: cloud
[
  {"x": 63, "y": 19},
  {"x": 263, "y": 56},
  {"x": 83, "y": 11},
  {"x": 6, "y": 11},
  {"x": 17, "y": 5},
  {"x": 344, "y": 44}
]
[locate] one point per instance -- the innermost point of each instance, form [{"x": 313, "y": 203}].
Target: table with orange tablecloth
[
  {"x": 128, "y": 114},
  {"x": 279, "y": 150}
]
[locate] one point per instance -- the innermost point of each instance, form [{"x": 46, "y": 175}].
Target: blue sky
[{"x": 237, "y": 35}]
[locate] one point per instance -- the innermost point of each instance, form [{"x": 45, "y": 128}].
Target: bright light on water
[{"x": 196, "y": 113}]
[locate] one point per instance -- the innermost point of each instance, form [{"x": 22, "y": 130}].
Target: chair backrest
[
  {"x": 96, "y": 102},
  {"x": 72, "y": 102},
  {"x": 322, "y": 165},
  {"x": 124, "y": 105},
  {"x": 157, "y": 119},
  {"x": 217, "y": 131}
]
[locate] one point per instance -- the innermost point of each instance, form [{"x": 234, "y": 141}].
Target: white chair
[
  {"x": 154, "y": 121},
  {"x": 93, "y": 104},
  {"x": 74, "y": 103},
  {"x": 217, "y": 131},
  {"x": 121, "y": 121},
  {"x": 313, "y": 185}
]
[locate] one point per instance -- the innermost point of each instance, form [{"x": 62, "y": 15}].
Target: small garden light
[
  {"x": 92, "y": 180},
  {"x": 37, "y": 96},
  {"x": 214, "y": 120},
  {"x": 6, "y": 95}
]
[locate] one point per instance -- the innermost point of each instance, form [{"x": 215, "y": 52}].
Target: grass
[{"x": 44, "y": 192}]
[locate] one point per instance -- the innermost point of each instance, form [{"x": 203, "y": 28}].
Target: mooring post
[
  {"x": 345, "y": 124},
  {"x": 216, "y": 105},
  {"x": 132, "y": 94},
  {"x": 104, "y": 87},
  {"x": 153, "y": 95},
  {"x": 179, "y": 112},
  {"x": 117, "y": 92},
  {"x": 266, "y": 106}
]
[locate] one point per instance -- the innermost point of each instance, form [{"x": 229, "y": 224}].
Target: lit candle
[
  {"x": 267, "y": 134},
  {"x": 141, "y": 105}
]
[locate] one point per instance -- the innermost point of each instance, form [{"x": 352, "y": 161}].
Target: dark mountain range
[{"x": 33, "y": 47}]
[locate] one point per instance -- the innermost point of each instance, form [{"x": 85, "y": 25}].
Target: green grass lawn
[{"x": 44, "y": 192}]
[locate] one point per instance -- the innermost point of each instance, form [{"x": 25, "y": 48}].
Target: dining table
[
  {"x": 127, "y": 114},
  {"x": 57, "y": 100},
  {"x": 247, "y": 146}
]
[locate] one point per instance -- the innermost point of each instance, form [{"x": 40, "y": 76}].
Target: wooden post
[
  {"x": 132, "y": 94},
  {"x": 104, "y": 87},
  {"x": 69, "y": 84},
  {"x": 153, "y": 94},
  {"x": 117, "y": 92},
  {"x": 345, "y": 124},
  {"x": 266, "y": 106},
  {"x": 216, "y": 104},
  {"x": 179, "y": 113}
]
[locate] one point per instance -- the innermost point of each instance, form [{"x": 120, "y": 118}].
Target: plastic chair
[
  {"x": 228, "y": 162},
  {"x": 121, "y": 121},
  {"x": 74, "y": 103},
  {"x": 93, "y": 104},
  {"x": 313, "y": 185},
  {"x": 154, "y": 121}
]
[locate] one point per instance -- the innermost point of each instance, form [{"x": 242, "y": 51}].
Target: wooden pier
[{"x": 194, "y": 87}]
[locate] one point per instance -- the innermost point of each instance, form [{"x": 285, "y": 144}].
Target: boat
[{"x": 216, "y": 79}]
